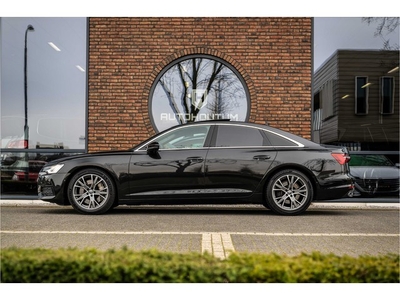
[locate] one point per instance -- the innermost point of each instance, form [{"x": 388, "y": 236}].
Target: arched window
[{"x": 197, "y": 88}]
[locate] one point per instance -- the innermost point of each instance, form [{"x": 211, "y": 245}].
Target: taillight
[
  {"x": 23, "y": 144},
  {"x": 19, "y": 144},
  {"x": 341, "y": 158}
]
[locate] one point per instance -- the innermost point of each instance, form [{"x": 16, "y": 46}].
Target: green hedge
[{"x": 73, "y": 265}]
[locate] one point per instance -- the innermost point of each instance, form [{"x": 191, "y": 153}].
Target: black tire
[
  {"x": 289, "y": 192},
  {"x": 91, "y": 191}
]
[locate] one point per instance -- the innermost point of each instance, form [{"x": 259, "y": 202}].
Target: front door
[{"x": 176, "y": 169}]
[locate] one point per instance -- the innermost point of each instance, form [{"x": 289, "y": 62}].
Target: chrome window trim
[
  {"x": 297, "y": 144},
  {"x": 252, "y": 147}
]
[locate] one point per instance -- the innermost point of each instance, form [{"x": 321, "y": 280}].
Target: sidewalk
[{"x": 325, "y": 204}]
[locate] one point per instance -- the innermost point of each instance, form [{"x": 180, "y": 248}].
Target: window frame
[
  {"x": 366, "y": 98},
  {"x": 62, "y": 145},
  {"x": 382, "y": 98},
  {"x": 43, "y": 151},
  {"x": 327, "y": 99},
  {"x": 191, "y": 56}
]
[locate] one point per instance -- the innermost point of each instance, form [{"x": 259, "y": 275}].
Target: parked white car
[{"x": 374, "y": 174}]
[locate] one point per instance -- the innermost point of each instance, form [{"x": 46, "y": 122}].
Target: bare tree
[
  {"x": 385, "y": 26},
  {"x": 227, "y": 92},
  {"x": 192, "y": 84}
]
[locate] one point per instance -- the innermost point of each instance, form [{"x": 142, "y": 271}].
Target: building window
[
  {"x": 55, "y": 78},
  {"x": 43, "y": 96},
  {"x": 326, "y": 95},
  {"x": 197, "y": 88},
  {"x": 361, "y": 92},
  {"x": 387, "y": 95}
]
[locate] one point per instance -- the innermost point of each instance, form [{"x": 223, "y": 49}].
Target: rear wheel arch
[
  {"x": 289, "y": 170},
  {"x": 307, "y": 172}
]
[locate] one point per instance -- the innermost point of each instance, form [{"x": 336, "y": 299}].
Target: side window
[
  {"x": 184, "y": 138},
  {"x": 279, "y": 141},
  {"x": 239, "y": 136}
]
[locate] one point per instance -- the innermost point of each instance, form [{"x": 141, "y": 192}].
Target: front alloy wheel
[
  {"x": 91, "y": 191},
  {"x": 289, "y": 192}
]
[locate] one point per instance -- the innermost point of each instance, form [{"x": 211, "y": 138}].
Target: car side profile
[{"x": 210, "y": 162}]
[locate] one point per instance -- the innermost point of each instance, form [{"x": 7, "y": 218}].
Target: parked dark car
[
  {"x": 211, "y": 162},
  {"x": 374, "y": 175},
  {"x": 20, "y": 175}
]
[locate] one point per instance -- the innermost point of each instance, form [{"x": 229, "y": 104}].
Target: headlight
[{"x": 52, "y": 169}]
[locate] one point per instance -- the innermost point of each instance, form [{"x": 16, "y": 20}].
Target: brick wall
[{"x": 126, "y": 54}]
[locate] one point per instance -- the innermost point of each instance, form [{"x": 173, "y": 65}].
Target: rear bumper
[{"x": 335, "y": 192}]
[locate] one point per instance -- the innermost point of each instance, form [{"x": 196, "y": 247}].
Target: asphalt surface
[{"x": 345, "y": 227}]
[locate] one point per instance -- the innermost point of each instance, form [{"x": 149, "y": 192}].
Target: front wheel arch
[
  {"x": 96, "y": 181},
  {"x": 76, "y": 170}
]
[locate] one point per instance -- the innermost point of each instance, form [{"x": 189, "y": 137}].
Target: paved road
[{"x": 217, "y": 229}]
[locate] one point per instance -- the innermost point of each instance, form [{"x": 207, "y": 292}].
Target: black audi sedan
[{"x": 210, "y": 162}]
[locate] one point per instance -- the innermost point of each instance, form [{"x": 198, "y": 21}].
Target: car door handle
[
  {"x": 261, "y": 157},
  {"x": 195, "y": 159}
]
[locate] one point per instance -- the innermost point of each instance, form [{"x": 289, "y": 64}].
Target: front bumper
[
  {"x": 50, "y": 187},
  {"x": 377, "y": 186}
]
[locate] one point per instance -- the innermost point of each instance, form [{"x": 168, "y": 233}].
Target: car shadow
[{"x": 199, "y": 210}]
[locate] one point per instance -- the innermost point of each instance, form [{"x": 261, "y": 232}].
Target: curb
[
  {"x": 25, "y": 203},
  {"x": 328, "y": 205},
  {"x": 352, "y": 205}
]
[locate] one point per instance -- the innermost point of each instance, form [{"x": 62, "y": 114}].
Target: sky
[
  {"x": 329, "y": 34},
  {"x": 332, "y": 33}
]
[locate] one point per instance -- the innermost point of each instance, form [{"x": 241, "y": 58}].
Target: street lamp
[{"x": 26, "y": 128}]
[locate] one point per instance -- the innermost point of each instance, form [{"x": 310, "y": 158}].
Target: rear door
[{"x": 237, "y": 160}]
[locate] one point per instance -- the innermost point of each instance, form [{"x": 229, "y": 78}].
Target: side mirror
[{"x": 153, "y": 148}]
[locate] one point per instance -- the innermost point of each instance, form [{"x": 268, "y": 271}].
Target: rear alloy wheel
[
  {"x": 91, "y": 191},
  {"x": 289, "y": 192}
]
